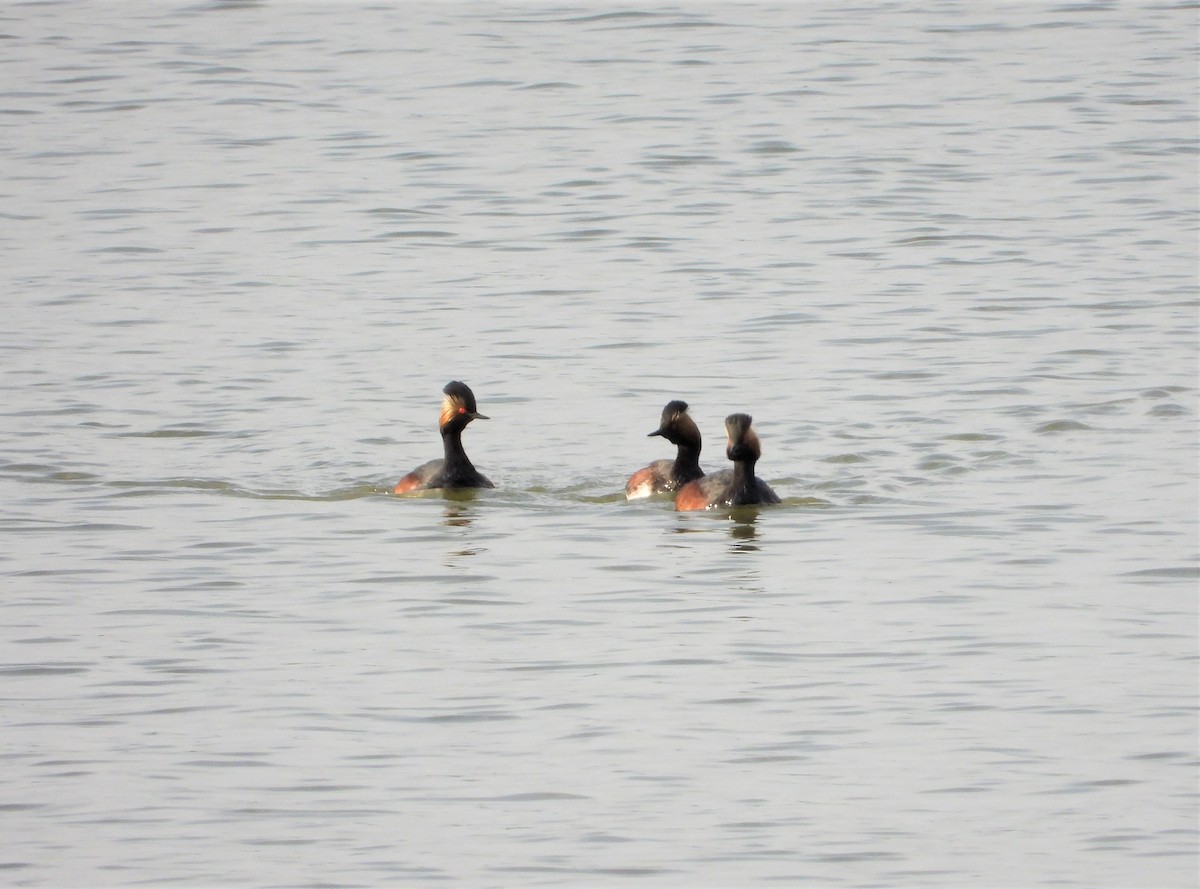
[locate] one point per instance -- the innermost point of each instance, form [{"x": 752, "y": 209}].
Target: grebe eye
[{"x": 462, "y": 410}]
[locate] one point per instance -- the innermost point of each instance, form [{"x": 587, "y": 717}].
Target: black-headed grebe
[
  {"x": 730, "y": 487},
  {"x": 455, "y": 470},
  {"x": 664, "y": 476}
]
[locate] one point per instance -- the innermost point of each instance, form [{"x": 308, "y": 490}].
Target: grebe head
[
  {"x": 676, "y": 425},
  {"x": 743, "y": 443},
  {"x": 458, "y": 407}
]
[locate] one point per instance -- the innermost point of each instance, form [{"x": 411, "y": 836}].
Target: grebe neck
[
  {"x": 743, "y": 484},
  {"x": 452, "y": 446},
  {"x": 687, "y": 461}
]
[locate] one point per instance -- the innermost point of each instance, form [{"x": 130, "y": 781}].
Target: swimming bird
[
  {"x": 738, "y": 486},
  {"x": 666, "y": 476},
  {"x": 455, "y": 469}
]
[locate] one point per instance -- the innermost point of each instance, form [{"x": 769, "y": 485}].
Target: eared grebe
[
  {"x": 664, "y": 476},
  {"x": 455, "y": 469},
  {"x": 730, "y": 487}
]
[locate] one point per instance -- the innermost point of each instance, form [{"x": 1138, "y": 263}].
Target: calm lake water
[{"x": 945, "y": 254}]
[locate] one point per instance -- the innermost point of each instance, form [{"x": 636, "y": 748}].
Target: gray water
[{"x": 945, "y": 254}]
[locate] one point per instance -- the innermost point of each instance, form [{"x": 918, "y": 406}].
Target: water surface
[{"x": 947, "y": 259}]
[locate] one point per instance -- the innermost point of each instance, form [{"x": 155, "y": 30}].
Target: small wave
[
  {"x": 1184, "y": 572},
  {"x": 597, "y": 492},
  {"x": 176, "y": 432},
  {"x": 166, "y": 486},
  {"x": 1061, "y": 426}
]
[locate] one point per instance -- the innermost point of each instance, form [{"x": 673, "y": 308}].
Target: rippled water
[{"x": 947, "y": 259}]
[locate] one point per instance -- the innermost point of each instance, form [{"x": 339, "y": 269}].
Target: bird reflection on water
[
  {"x": 742, "y": 529},
  {"x": 458, "y": 513}
]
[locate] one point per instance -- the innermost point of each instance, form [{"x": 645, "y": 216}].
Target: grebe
[
  {"x": 455, "y": 470},
  {"x": 730, "y": 487},
  {"x": 665, "y": 476}
]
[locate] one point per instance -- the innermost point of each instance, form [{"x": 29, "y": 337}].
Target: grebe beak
[
  {"x": 475, "y": 415},
  {"x": 654, "y": 433}
]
